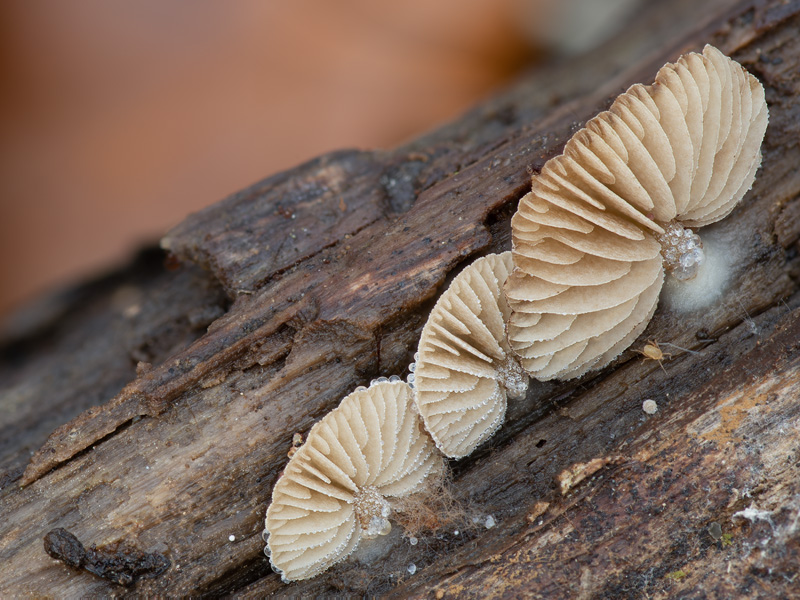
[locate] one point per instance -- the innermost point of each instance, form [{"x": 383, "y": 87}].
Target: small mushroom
[
  {"x": 606, "y": 218},
  {"x": 465, "y": 368},
  {"x": 338, "y": 486}
]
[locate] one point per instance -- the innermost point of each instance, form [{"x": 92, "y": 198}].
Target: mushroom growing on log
[
  {"x": 338, "y": 486},
  {"x": 265, "y": 327},
  {"x": 604, "y": 219},
  {"x": 464, "y": 369}
]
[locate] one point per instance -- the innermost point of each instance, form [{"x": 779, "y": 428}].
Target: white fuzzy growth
[
  {"x": 723, "y": 249},
  {"x": 753, "y": 514}
]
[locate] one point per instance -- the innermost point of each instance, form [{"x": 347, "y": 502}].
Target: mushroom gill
[
  {"x": 338, "y": 486},
  {"x": 606, "y": 218},
  {"x": 465, "y": 368}
]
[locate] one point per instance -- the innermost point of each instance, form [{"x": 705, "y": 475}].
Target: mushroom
[
  {"x": 605, "y": 219},
  {"x": 465, "y": 368},
  {"x": 338, "y": 486}
]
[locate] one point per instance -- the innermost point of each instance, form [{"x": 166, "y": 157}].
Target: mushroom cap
[
  {"x": 588, "y": 268},
  {"x": 716, "y": 137},
  {"x": 465, "y": 367},
  {"x": 370, "y": 447}
]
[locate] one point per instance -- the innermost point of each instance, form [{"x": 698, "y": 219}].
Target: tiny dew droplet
[
  {"x": 490, "y": 522},
  {"x": 231, "y": 538},
  {"x": 412, "y": 568},
  {"x": 413, "y": 541}
]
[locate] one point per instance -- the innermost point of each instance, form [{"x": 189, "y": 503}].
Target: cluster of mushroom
[{"x": 592, "y": 241}]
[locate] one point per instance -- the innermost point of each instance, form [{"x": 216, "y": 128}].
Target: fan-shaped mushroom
[
  {"x": 337, "y": 487},
  {"x": 590, "y": 239},
  {"x": 464, "y": 367}
]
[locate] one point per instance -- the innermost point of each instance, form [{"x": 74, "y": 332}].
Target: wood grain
[{"x": 320, "y": 278}]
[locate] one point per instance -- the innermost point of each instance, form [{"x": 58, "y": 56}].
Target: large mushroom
[
  {"x": 605, "y": 219},
  {"x": 338, "y": 487}
]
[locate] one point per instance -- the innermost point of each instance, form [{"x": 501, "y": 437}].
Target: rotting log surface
[{"x": 171, "y": 395}]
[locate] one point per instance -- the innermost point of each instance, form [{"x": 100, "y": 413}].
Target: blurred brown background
[{"x": 119, "y": 118}]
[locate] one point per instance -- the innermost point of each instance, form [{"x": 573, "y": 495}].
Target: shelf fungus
[
  {"x": 338, "y": 487},
  {"x": 465, "y": 368},
  {"x": 607, "y": 218}
]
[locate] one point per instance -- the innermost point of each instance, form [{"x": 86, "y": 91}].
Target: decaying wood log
[{"x": 170, "y": 396}]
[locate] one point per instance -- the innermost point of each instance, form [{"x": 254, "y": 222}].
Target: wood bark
[{"x": 148, "y": 414}]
